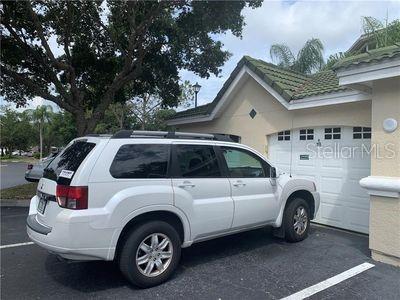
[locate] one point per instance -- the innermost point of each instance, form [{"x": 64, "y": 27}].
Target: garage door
[{"x": 336, "y": 158}]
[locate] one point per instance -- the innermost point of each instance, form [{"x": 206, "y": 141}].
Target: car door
[
  {"x": 200, "y": 189},
  {"x": 252, "y": 191}
]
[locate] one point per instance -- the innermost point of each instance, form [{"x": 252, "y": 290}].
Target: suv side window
[
  {"x": 244, "y": 164},
  {"x": 197, "y": 161},
  {"x": 141, "y": 161}
]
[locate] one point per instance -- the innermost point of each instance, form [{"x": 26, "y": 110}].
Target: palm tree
[
  {"x": 40, "y": 116},
  {"x": 334, "y": 58},
  {"x": 308, "y": 60},
  {"x": 381, "y": 32}
]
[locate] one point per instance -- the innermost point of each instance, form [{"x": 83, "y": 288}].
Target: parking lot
[
  {"x": 12, "y": 174},
  {"x": 252, "y": 265}
]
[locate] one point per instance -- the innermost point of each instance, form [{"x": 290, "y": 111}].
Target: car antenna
[{"x": 291, "y": 149}]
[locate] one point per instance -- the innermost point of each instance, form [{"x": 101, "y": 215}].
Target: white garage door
[{"x": 336, "y": 158}]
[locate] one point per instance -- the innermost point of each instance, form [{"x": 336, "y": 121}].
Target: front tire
[
  {"x": 150, "y": 254},
  {"x": 296, "y": 220}
]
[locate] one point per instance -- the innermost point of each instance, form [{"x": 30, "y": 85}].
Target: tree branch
[
  {"x": 43, "y": 40},
  {"x": 35, "y": 89}
]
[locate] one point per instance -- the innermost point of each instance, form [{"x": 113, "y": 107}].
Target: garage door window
[
  {"x": 333, "y": 133},
  {"x": 361, "y": 133},
  {"x": 306, "y": 134},
  {"x": 284, "y": 135}
]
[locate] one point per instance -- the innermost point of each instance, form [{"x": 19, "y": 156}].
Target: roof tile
[
  {"x": 289, "y": 84},
  {"x": 375, "y": 55}
]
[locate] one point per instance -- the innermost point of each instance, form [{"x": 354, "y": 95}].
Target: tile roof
[
  {"x": 289, "y": 84},
  {"x": 375, "y": 55}
]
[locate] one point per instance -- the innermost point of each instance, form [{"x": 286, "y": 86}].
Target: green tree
[
  {"x": 186, "y": 98},
  {"x": 379, "y": 34},
  {"x": 308, "y": 60},
  {"x": 111, "y": 51},
  {"x": 382, "y": 33},
  {"x": 41, "y": 115},
  {"x": 60, "y": 130},
  {"x": 334, "y": 58},
  {"x": 16, "y": 130},
  {"x": 118, "y": 116}
]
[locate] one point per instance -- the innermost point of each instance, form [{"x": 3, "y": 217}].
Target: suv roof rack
[{"x": 124, "y": 134}]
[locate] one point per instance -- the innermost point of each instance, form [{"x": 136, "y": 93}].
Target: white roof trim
[
  {"x": 369, "y": 72},
  {"x": 309, "y": 102},
  {"x": 329, "y": 99}
]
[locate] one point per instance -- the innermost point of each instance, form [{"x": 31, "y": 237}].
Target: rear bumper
[
  {"x": 33, "y": 224},
  {"x": 68, "y": 238}
]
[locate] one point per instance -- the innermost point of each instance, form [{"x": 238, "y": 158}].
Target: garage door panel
[
  {"x": 331, "y": 185},
  {"x": 330, "y": 163},
  {"x": 333, "y": 213},
  {"x": 355, "y": 190},
  {"x": 358, "y": 203},
  {"x": 337, "y": 174},
  {"x": 358, "y": 218}
]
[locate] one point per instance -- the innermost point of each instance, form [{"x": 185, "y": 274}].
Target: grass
[
  {"x": 25, "y": 191},
  {"x": 26, "y": 159}
]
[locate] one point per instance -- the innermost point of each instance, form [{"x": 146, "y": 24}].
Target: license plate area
[{"x": 41, "y": 206}]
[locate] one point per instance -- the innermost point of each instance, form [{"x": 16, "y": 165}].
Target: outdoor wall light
[
  {"x": 389, "y": 125},
  {"x": 319, "y": 144}
]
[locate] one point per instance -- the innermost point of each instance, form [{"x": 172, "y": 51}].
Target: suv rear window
[
  {"x": 141, "y": 161},
  {"x": 68, "y": 162}
]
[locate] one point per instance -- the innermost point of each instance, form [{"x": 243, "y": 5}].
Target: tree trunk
[
  {"x": 85, "y": 126},
  {"x": 121, "y": 124},
  {"x": 41, "y": 140}
]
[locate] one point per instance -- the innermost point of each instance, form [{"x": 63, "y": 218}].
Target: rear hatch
[{"x": 57, "y": 178}]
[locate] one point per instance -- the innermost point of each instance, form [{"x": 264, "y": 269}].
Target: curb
[{"x": 14, "y": 203}]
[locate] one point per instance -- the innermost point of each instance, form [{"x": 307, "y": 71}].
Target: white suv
[{"x": 138, "y": 197}]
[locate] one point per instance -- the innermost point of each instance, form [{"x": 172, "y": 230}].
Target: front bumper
[
  {"x": 316, "y": 203},
  {"x": 69, "y": 238}
]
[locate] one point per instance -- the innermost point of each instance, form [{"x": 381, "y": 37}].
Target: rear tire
[
  {"x": 150, "y": 254},
  {"x": 296, "y": 220}
]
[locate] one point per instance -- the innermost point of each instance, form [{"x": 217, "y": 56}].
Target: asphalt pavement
[
  {"x": 251, "y": 265},
  {"x": 12, "y": 174}
]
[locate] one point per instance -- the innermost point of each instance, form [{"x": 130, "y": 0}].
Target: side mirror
[{"x": 272, "y": 172}]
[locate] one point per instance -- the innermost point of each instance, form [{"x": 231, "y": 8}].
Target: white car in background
[{"x": 139, "y": 197}]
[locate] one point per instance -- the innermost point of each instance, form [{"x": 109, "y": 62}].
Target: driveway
[
  {"x": 12, "y": 174},
  {"x": 252, "y": 265}
]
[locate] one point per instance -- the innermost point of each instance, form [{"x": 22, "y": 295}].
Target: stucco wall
[
  {"x": 385, "y": 211},
  {"x": 385, "y": 104},
  {"x": 273, "y": 117}
]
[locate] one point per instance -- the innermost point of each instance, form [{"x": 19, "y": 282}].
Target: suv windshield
[{"x": 64, "y": 165}]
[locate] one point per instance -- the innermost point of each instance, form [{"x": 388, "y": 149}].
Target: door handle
[
  {"x": 239, "y": 183},
  {"x": 186, "y": 184}
]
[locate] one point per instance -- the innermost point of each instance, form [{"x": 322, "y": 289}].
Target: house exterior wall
[
  {"x": 385, "y": 211},
  {"x": 273, "y": 117}
]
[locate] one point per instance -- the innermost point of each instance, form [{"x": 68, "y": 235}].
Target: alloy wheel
[
  {"x": 300, "y": 220},
  {"x": 154, "y": 254}
]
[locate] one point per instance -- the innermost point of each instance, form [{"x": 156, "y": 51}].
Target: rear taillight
[
  {"x": 30, "y": 167},
  {"x": 72, "y": 197}
]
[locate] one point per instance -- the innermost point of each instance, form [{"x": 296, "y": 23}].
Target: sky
[{"x": 336, "y": 23}]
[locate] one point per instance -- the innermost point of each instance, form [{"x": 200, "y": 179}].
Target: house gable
[{"x": 291, "y": 89}]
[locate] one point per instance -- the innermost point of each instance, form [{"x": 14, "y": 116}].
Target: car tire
[
  {"x": 298, "y": 211},
  {"x": 144, "y": 263}
]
